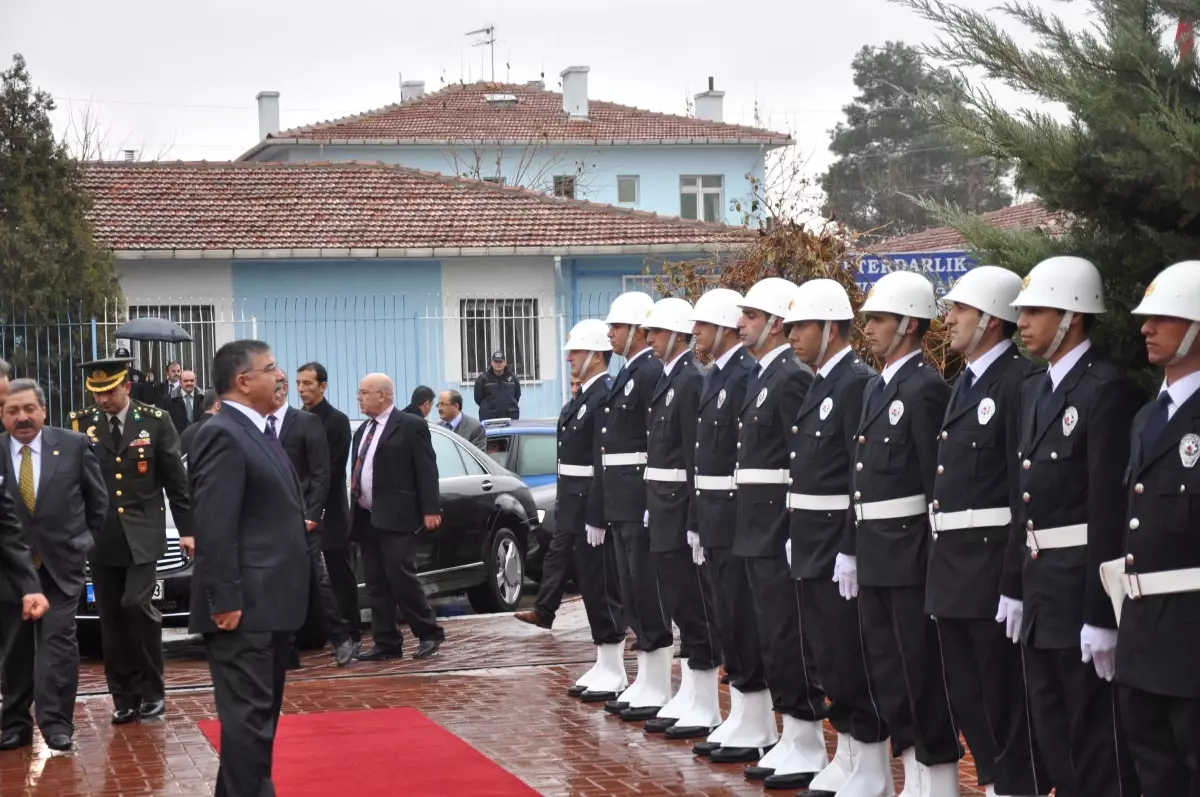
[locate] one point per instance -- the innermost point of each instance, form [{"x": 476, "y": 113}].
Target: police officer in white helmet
[
  {"x": 1158, "y": 680},
  {"x": 1073, "y": 448}
]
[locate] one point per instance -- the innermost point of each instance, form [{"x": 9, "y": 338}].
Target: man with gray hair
[{"x": 5, "y": 371}]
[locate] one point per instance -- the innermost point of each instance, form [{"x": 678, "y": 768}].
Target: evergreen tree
[
  {"x": 1121, "y": 164},
  {"x": 889, "y": 150}
]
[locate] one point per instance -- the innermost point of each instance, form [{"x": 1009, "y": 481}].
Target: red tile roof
[
  {"x": 311, "y": 206},
  {"x": 459, "y": 112},
  {"x": 945, "y": 239}
]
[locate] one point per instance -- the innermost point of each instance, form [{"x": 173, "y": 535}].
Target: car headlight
[{"x": 541, "y": 515}]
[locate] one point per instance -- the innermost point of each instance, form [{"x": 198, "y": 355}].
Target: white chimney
[
  {"x": 411, "y": 89},
  {"x": 575, "y": 95},
  {"x": 268, "y": 113},
  {"x": 710, "y": 105}
]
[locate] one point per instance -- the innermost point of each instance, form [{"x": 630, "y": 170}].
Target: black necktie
[
  {"x": 876, "y": 396},
  {"x": 273, "y": 437},
  {"x": 115, "y": 425},
  {"x": 363, "y": 447},
  {"x": 1156, "y": 422},
  {"x": 962, "y": 388},
  {"x": 1045, "y": 402}
]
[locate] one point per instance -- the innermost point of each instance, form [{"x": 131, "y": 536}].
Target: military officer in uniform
[
  {"x": 973, "y": 494},
  {"x": 618, "y": 501},
  {"x": 714, "y": 512},
  {"x": 774, "y": 394},
  {"x": 138, "y": 449},
  {"x": 895, "y": 457},
  {"x": 670, "y": 490},
  {"x": 1073, "y": 449},
  {"x": 821, "y": 438},
  {"x": 1158, "y": 680}
]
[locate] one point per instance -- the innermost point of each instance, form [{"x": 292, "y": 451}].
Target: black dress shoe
[
  {"x": 736, "y": 755},
  {"x": 155, "y": 708},
  {"x": 758, "y": 773},
  {"x": 678, "y": 731},
  {"x": 616, "y": 706},
  {"x": 344, "y": 653},
  {"x": 124, "y": 716},
  {"x": 639, "y": 714},
  {"x": 428, "y": 649},
  {"x": 591, "y": 696},
  {"x": 796, "y": 780},
  {"x": 58, "y": 741},
  {"x": 659, "y": 724},
  {"x": 12, "y": 740},
  {"x": 576, "y": 690},
  {"x": 705, "y": 749},
  {"x": 377, "y": 653}
]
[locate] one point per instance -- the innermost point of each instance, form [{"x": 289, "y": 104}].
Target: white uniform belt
[
  {"x": 585, "y": 471},
  {"x": 818, "y": 503},
  {"x": 1060, "y": 537},
  {"x": 971, "y": 519},
  {"x": 666, "y": 475},
  {"x": 1164, "y": 582},
  {"x": 761, "y": 476},
  {"x": 637, "y": 458},
  {"x": 715, "y": 483},
  {"x": 890, "y": 510}
]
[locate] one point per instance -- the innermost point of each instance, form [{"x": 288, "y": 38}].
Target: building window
[
  {"x": 198, "y": 321},
  {"x": 646, "y": 283},
  {"x": 700, "y": 197},
  {"x": 627, "y": 189},
  {"x": 507, "y": 325},
  {"x": 564, "y": 185}
]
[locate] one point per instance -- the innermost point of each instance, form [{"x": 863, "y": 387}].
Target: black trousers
[
  {"x": 389, "y": 559},
  {"x": 596, "y": 571},
  {"x": 901, "y": 644},
  {"x": 1164, "y": 740},
  {"x": 737, "y": 624},
  {"x": 831, "y": 627},
  {"x": 248, "y": 669},
  {"x": 1075, "y": 722},
  {"x": 320, "y": 593},
  {"x": 985, "y": 678},
  {"x": 41, "y": 664},
  {"x": 641, "y": 595},
  {"x": 557, "y": 568},
  {"x": 131, "y": 631},
  {"x": 339, "y": 564},
  {"x": 788, "y": 660},
  {"x": 689, "y": 602}
]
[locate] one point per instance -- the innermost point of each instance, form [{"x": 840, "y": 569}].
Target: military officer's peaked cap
[{"x": 102, "y": 376}]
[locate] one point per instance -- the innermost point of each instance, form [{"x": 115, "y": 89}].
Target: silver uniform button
[
  {"x": 792, "y": 455},
  {"x": 1129, "y": 559},
  {"x": 818, "y": 434},
  {"x": 858, "y": 466},
  {"x": 936, "y": 505},
  {"x": 1026, "y": 464},
  {"x": 857, "y": 495},
  {"x": 945, "y": 435},
  {"x": 1029, "y": 525},
  {"x": 795, "y": 429},
  {"x": 1053, "y": 455},
  {"x": 861, "y": 439},
  {"x": 1025, "y": 498},
  {"x": 1139, "y": 489},
  {"x": 941, "y": 470},
  {"x": 1133, "y": 524}
]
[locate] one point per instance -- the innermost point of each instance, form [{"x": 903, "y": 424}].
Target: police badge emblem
[
  {"x": 1070, "y": 421},
  {"x": 1189, "y": 450},
  {"x": 670, "y": 395},
  {"x": 762, "y": 396},
  {"x": 987, "y": 410},
  {"x": 628, "y": 387},
  {"x": 895, "y": 412},
  {"x": 721, "y": 398},
  {"x": 826, "y": 407},
  {"x": 582, "y": 411}
]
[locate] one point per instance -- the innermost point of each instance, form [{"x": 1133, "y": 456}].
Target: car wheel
[{"x": 504, "y": 575}]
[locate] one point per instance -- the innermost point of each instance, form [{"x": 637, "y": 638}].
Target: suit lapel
[
  {"x": 753, "y": 386},
  {"x": 665, "y": 383},
  {"x": 716, "y": 381},
  {"x": 820, "y": 391},
  {"x": 1180, "y": 424},
  {"x": 981, "y": 387},
  {"x": 1059, "y": 397},
  {"x": 285, "y": 428},
  {"x": 260, "y": 439},
  {"x": 49, "y": 466},
  {"x": 872, "y": 410},
  {"x": 393, "y": 423}
]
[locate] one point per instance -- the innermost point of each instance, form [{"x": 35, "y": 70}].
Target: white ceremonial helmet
[
  {"x": 630, "y": 308},
  {"x": 773, "y": 296},
  {"x": 820, "y": 300},
  {"x": 1175, "y": 293},
  {"x": 590, "y": 334},
  {"x": 990, "y": 290},
  {"x": 903, "y": 293},
  {"x": 720, "y": 307},
  {"x": 674, "y": 315},
  {"x": 1066, "y": 283}
]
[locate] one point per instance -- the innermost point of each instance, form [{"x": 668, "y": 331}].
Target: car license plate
[
  {"x": 158, "y": 590},
  {"x": 91, "y": 593}
]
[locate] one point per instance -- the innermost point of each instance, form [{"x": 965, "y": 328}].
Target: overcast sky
[{"x": 184, "y": 76}]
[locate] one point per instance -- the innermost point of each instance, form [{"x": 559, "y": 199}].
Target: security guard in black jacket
[
  {"x": 774, "y": 394},
  {"x": 618, "y": 501},
  {"x": 821, "y": 438},
  {"x": 895, "y": 457},
  {"x": 1073, "y": 450},
  {"x": 714, "y": 512},
  {"x": 974, "y": 490},
  {"x": 1158, "y": 680},
  {"x": 138, "y": 449}
]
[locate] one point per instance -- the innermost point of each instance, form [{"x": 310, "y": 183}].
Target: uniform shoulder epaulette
[{"x": 149, "y": 408}]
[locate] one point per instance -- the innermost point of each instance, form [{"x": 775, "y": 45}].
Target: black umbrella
[{"x": 153, "y": 328}]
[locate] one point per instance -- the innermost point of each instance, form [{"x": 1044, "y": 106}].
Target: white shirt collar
[
  {"x": 826, "y": 369},
  {"x": 120, "y": 416},
  {"x": 1059, "y": 371},
  {"x": 1181, "y": 391},
  {"x": 770, "y": 356},
  {"x": 583, "y": 388},
  {"x": 646, "y": 350},
  {"x": 891, "y": 370},
  {"x": 988, "y": 357},
  {"x": 667, "y": 367},
  {"x": 35, "y": 445},
  {"x": 724, "y": 359},
  {"x": 279, "y": 414},
  {"x": 259, "y": 421}
]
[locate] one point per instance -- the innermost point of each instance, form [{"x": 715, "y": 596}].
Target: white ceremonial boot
[
  {"x": 624, "y": 700},
  {"x": 585, "y": 680},
  {"x": 872, "y": 773},
  {"x": 610, "y": 679},
  {"x": 833, "y": 777},
  {"x": 798, "y": 757},
  {"x": 673, "y": 710},
  {"x": 754, "y": 733},
  {"x": 916, "y": 775},
  {"x": 737, "y": 709},
  {"x": 656, "y": 687},
  {"x": 704, "y": 712},
  {"x": 942, "y": 780}
]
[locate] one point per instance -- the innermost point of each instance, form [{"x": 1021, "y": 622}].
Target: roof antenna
[{"x": 490, "y": 43}]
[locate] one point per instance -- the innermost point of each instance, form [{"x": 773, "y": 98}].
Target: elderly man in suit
[
  {"x": 251, "y": 581},
  {"x": 449, "y": 407},
  {"x": 55, "y": 480},
  {"x": 185, "y": 406}
]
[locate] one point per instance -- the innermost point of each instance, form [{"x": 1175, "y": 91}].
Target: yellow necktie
[{"x": 25, "y": 479}]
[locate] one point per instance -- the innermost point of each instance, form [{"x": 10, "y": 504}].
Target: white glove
[
  {"x": 845, "y": 573},
  {"x": 787, "y": 550},
  {"x": 693, "y": 539},
  {"x": 595, "y": 536},
  {"x": 1099, "y": 646},
  {"x": 646, "y": 518},
  {"x": 1010, "y": 611}
]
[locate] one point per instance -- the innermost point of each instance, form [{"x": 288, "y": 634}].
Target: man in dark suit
[
  {"x": 303, "y": 438},
  {"x": 887, "y": 550},
  {"x": 422, "y": 402},
  {"x": 55, "y": 481},
  {"x": 974, "y": 490},
  {"x": 312, "y": 380},
  {"x": 138, "y": 451},
  {"x": 212, "y": 405},
  {"x": 450, "y": 411},
  {"x": 395, "y": 496},
  {"x": 187, "y": 404},
  {"x": 251, "y": 579},
  {"x": 1158, "y": 682}
]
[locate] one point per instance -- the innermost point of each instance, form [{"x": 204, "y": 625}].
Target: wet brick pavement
[{"x": 498, "y": 684}]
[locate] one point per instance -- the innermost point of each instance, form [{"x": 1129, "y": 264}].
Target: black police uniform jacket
[
  {"x": 619, "y": 492},
  {"x": 821, "y": 439},
  {"x": 1158, "y": 649},
  {"x": 895, "y": 456},
  {"x": 977, "y": 468},
  {"x": 1073, "y": 462},
  {"x": 714, "y": 512},
  {"x": 772, "y": 401},
  {"x": 578, "y": 445},
  {"x": 672, "y": 445},
  {"x": 137, "y": 469}
]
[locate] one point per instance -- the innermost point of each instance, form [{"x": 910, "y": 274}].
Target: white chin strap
[
  {"x": 980, "y": 328},
  {"x": 587, "y": 363},
  {"x": 671, "y": 343},
  {"x": 766, "y": 333},
  {"x": 629, "y": 341},
  {"x": 717, "y": 339},
  {"x": 899, "y": 336},
  {"x": 824, "y": 343},
  {"x": 1185, "y": 345},
  {"x": 1063, "y": 326}
]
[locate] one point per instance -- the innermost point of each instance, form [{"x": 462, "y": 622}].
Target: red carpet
[{"x": 378, "y": 752}]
